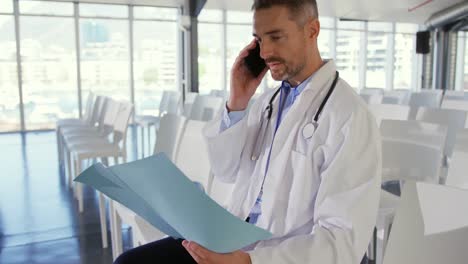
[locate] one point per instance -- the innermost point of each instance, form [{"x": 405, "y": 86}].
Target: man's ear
[{"x": 313, "y": 28}]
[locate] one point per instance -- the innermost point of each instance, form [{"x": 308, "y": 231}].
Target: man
[{"x": 309, "y": 174}]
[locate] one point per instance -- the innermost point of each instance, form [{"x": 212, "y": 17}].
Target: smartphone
[{"x": 254, "y": 62}]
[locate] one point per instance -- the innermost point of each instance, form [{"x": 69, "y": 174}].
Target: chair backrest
[
  {"x": 205, "y": 107},
  {"x": 97, "y": 108},
  {"x": 169, "y": 134},
  {"x": 173, "y": 106},
  {"x": 410, "y": 161},
  {"x": 389, "y": 111},
  {"x": 88, "y": 113},
  {"x": 454, "y": 95},
  {"x": 110, "y": 116},
  {"x": 461, "y": 141},
  {"x": 458, "y": 170},
  {"x": 372, "y": 98},
  {"x": 426, "y": 99},
  {"x": 188, "y": 103},
  {"x": 220, "y": 191},
  {"x": 396, "y": 96},
  {"x": 164, "y": 103},
  {"x": 408, "y": 242},
  {"x": 372, "y": 91},
  {"x": 121, "y": 124},
  {"x": 453, "y": 119},
  {"x": 455, "y": 104},
  {"x": 192, "y": 155},
  {"x": 429, "y": 134}
]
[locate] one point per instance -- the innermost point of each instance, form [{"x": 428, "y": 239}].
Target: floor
[{"x": 39, "y": 218}]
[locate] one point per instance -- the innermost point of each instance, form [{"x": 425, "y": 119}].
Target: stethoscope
[{"x": 268, "y": 112}]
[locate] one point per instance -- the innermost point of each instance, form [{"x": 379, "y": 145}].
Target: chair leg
[
  {"x": 142, "y": 142},
  {"x": 112, "y": 228},
  {"x": 117, "y": 237},
  {"x": 69, "y": 167},
  {"x": 102, "y": 219},
  {"x": 149, "y": 140},
  {"x": 79, "y": 186},
  {"x": 59, "y": 155},
  {"x": 372, "y": 250}
]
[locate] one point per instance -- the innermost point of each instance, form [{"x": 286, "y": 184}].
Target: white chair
[
  {"x": 455, "y": 104},
  {"x": 404, "y": 161},
  {"x": 372, "y": 91},
  {"x": 427, "y": 98},
  {"x": 192, "y": 159},
  {"x": 453, "y": 119},
  {"x": 461, "y": 141},
  {"x": 396, "y": 96},
  {"x": 417, "y": 132},
  {"x": 169, "y": 103},
  {"x": 85, "y": 120},
  {"x": 192, "y": 155},
  {"x": 93, "y": 118},
  {"x": 89, "y": 135},
  {"x": 205, "y": 107},
  {"x": 220, "y": 191},
  {"x": 410, "y": 161},
  {"x": 188, "y": 103},
  {"x": 409, "y": 244},
  {"x": 372, "y": 98},
  {"x": 454, "y": 95},
  {"x": 167, "y": 140},
  {"x": 103, "y": 150},
  {"x": 389, "y": 111},
  {"x": 458, "y": 170}
]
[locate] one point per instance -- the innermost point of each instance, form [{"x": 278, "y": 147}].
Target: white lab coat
[{"x": 321, "y": 193}]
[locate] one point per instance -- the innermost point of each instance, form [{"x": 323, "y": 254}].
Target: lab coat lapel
[{"x": 316, "y": 88}]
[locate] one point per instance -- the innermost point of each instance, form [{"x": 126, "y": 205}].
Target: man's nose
[{"x": 265, "y": 50}]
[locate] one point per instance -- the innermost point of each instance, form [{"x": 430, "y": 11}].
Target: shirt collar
[{"x": 295, "y": 91}]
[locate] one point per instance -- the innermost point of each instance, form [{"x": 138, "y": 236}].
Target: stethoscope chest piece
[{"x": 309, "y": 130}]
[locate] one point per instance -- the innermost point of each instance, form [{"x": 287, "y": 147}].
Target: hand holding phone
[
  {"x": 254, "y": 62},
  {"x": 246, "y": 75}
]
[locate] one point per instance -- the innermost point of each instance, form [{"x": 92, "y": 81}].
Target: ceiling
[{"x": 410, "y": 11}]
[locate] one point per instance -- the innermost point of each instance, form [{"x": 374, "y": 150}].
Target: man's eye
[{"x": 275, "y": 37}]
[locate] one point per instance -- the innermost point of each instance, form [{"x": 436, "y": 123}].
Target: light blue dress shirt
[{"x": 233, "y": 117}]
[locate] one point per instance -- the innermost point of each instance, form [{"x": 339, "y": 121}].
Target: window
[
  {"x": 240, "y": 17},
  {"x": 46, "y": 8},
  {"x": 144, "y": 12},
  {"x": 6, "y": 6},
  {"x": 155, "y": 63},
  {"x": 210, "y": 57},
  {"x": 348, "y": 49},
  {"x": 105, "y": 57},
  {"x": 49, "y": 70},
  {"x": 9, "y": 93},
  {"x": 208, "y": 15},
  {"x": 378, "y": 54},
  {"x": 466, "y": 62},
  {"x": 324, "y": 44},
  {"x": 100, "y": 10},
  {"x": 405, "y": 56},
  {"x": 238, "y": 36}
]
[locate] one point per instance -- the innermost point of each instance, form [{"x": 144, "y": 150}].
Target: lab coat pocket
[{"x": 303, "y": 190}]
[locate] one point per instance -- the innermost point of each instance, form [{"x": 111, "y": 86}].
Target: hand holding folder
[{"x": 159, "y": 192}]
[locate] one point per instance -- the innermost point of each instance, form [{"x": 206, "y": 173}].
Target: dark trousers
[{"x": 164, "y": 251}]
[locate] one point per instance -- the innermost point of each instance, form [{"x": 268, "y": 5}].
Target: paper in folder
[{"x": 160, "y": 193}]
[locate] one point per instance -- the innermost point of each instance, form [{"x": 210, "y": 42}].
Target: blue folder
[{"x": 160, "y": 193}]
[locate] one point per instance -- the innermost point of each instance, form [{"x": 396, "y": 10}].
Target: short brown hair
[{"x": 296, "y": 7}]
